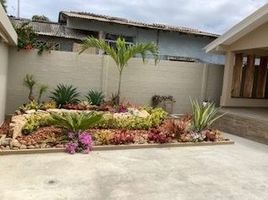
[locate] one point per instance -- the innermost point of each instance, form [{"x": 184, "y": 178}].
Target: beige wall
[
  {"x": 3, "y": 78},
  {"x": 140, "y": 82}
]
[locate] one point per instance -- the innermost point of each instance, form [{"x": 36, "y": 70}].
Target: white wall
[
  {"x": 140, "y": 82},
  {"x": 8, "y": 37},
  {"x": 3, "y": 78}
]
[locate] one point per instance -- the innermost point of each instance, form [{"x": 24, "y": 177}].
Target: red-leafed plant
[
  {"x": 122, "y": 137},
  {"x": 157, "y": 136}
]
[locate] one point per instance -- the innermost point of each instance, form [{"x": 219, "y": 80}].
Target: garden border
[{"x": 116, "y": 147}]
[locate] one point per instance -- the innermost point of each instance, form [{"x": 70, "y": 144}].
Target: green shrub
[
  {"x": 75, "y": 122},
  {"x": 32, "y": 105},
  {"x": 203, "y": 115},
  {"x": 65, "y": 94},
  {"x": 95, "y": 97},
  {"x": 34, "y": 122},
  {"x": 155, "y": 118}
]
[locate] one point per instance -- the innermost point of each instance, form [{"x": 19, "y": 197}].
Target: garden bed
[{"x": 56, "y": 130}]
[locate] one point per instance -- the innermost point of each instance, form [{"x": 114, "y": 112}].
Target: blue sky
[{"x": 208, "y": 15}]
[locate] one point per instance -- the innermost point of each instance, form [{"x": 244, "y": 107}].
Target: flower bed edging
[{"x": 116, "y": 147}]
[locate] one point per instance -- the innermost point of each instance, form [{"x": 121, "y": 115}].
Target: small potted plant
[{"x": 165, "y": 102}]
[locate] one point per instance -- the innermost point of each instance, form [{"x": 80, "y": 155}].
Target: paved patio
[{"x": 237, "y": 171}]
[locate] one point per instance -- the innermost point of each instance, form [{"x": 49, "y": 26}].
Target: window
[
  {"x": 250, "y": 77},
  {"x": 111, "y": 38}
]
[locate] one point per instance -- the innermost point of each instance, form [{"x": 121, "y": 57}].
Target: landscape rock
[
  {"x": 5, "y": 141},
  {"x": 16, "y": 125},
  {"x": 23, "y": 146},
  {"x": 15, "y": 143},
  {"x": 59, "y": 146},
  {"x": 30, "y": 147}
]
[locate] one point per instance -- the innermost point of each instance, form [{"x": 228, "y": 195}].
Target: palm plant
[
  {"x": 203, "y": 115},
  {"x": 64, "y": 94},
  {"x": 75, "y": 122},
  {"x": 95, "y": 97},
  {"x": 42, "y": 90},
  {"x": 121, "y": 53},
  {"x": 29, "y": 82}
]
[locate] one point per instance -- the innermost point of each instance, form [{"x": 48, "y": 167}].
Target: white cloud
[{"x": 208, "y": 15}]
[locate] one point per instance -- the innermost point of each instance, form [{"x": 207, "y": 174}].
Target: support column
[
  {"x": 101, "y": 37},
  {"x": 249, "y": 76},
  {"x": 204, "y": 83},
  {"x": 237, "y": 75},
  {"x": 262, "y": 77}
]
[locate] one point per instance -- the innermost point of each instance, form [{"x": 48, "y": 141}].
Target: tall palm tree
[{"x": 121, "y": 53}]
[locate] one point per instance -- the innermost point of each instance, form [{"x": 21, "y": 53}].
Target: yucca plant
[
  {"x": 75, "y": 122},
  {"x": 42, "y": 90},
  {"x": 95, "y": 97},
  {"x": 29, "y": 82},
  {"x": 203, "y": 115},
  {"x": 64, "y": 94},
  {"x": 121, "y": 53}
]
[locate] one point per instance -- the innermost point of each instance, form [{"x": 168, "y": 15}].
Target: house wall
[
  {"x": 3, "y": 78},
  {"x": 140, "y": 81},
  {"x": 170, "y": 43},
  {"x": 8, "y": 37}
]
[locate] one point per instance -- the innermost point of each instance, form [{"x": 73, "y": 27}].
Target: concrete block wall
[{"x": 140, "y": 81}]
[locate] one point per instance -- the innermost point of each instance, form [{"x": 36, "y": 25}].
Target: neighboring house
[
  {"x": 246, "y": 60},
  {"x": 8, "y": 37},
  {"x": 175, "y": 43}
]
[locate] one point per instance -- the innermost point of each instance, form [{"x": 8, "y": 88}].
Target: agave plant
[
  {"x": 65, "y": 94},
  {"x": 42, "y": 90},
  {"x": 29, "y": 82},
  {"x": 75, "y": 122},
  {"x": 203, "y": 115},
  {"x": 95, "y": 97}
]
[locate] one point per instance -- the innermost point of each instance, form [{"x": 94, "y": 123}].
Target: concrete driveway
[{"x": 237, "y": 171}]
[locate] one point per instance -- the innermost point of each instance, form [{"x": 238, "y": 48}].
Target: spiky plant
[
  {"x": 29, "y": 82},
  {"x": 42, "y": 90},
  {"x": 64, "y": 94},
  {"x": 203, "y": 115},
  {"x": 121, "y": 53},
  {"x": 95, "y": 97},
  {"x": 75, "y": 122}
]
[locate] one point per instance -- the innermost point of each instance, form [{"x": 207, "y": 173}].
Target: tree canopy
[{"x": 42, "y": 18}]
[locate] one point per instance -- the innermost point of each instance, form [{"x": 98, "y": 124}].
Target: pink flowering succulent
[
  {"x": 71, "y": 147},
  {"x": 80, "y": 142}
]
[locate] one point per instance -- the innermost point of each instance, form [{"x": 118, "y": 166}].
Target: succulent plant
[{"x": 65, "y": 94}]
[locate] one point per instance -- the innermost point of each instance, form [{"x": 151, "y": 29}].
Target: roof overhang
[
  {"x": 7, "y": 32},
  {"x": 239, "y": 30},
  {"x": 63, "y": 15}
]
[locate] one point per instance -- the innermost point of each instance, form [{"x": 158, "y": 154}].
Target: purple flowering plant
[{"x": 79, "y": 142}]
